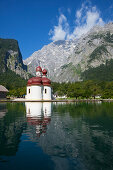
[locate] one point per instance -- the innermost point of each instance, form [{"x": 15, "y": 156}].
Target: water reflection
[
  {"x": 3, "y": 110},
  {"x": 12, "y": 124},
  {"x": 39, "y": 115},
  {"x": 80, "y": 135},
  {"x": 75, "y": 136}
]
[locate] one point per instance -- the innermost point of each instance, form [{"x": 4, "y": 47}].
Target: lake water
[{"x": 56, "y": 136}]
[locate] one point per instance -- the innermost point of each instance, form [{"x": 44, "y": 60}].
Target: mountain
[
  {"x": 52, "y": 57},
  {"x": 11, "y": 58},
  {"x": 72, "y": 60},
  {"x": 12, "y": 70}
]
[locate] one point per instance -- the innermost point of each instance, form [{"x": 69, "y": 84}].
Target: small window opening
[
  {"x": 29, "y": 90},
  {"x": 29, "y": 111},
  {"x": 45, "y": 110},
  {"x": 45, "y": 90}
]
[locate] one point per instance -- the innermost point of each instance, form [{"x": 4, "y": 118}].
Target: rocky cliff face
[
  {"x": 67, "y": 60},
  {"x": 52, "y": 57},
  {"x": 11, "y": 58}
]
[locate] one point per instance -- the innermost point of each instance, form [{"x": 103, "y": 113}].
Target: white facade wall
[
  {"x": 35, "y": 92},
  {"x": 46, "y": 93},
  {"x": 28, "y": 95}
]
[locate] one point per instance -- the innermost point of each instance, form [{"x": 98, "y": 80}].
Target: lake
[{"x": 56, "y": 136}]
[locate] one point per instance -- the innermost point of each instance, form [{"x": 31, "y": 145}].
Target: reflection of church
[
  {"x": 39, "y": 87},
  {"x": 39, "y": 115}
]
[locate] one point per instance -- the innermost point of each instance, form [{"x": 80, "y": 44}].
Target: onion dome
[
  {"x": 44, "y": 72},
  {"x": 29, "y": 83},
  {"x": 38, "y": 69},
  {"x": 46, "y": 81},
  {"x": 36, "y": 81}
]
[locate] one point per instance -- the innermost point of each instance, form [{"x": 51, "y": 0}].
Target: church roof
[
  {"x": 3, "y": 89},
  {"x": 46, "y": 81},
  {"x": 39, "y": 80}
]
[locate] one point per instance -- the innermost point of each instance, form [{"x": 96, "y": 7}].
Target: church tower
[
  {"x": 46, "y": 86},
  {"x": 39, "y": 87},
  {"x": 34, "y": 86}
]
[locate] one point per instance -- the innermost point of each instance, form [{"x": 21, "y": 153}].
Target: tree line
[
  {"x": 79, "y": 90},
  {"x": 84, "y": 89}
]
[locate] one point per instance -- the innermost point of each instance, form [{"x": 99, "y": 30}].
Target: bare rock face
[
  {"x": 52, "y": 57},
  {"x": 15, "y": 63},
  {"x": 11, "y": 58},
  {"x": 66, "y": 60}
]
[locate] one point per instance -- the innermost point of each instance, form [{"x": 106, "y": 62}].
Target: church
[{"x": 39, "y": 87}]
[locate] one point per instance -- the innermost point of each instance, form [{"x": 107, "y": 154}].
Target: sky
[{"x": 35, "y": 23}]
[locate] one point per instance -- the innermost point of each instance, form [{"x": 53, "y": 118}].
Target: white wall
[
  {"x": 38, "y": 92},
  {"x": 47, "y": 95},
  {"x": 35, "y": 92},
  {"x": 27, "y": 92}
]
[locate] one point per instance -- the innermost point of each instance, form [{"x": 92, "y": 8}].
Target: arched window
[
  {"x": 29, "y": 90},
  {"x": 45, "y": 90}
]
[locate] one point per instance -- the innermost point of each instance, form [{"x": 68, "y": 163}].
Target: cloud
[
  {"x": 60, "y": 31},
  {"x": 85, "y": 18}
]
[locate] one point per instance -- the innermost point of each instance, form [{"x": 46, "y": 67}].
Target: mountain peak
[{"x": 67, "y": 60}]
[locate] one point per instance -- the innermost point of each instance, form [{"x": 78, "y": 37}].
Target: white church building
[{"x": 39, "y": 87}]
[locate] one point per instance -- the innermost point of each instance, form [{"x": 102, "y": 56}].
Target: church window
[
  {"x": 45, "y": 90},
  {"x": 29, "y": 90}
]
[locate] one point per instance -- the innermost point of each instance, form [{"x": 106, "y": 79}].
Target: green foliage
[
  {"x": 14, "y": 83},
  {"x": 5, "y": 46},
  {"x": 85, "y": 89},
  {"x": 108, "y": 37},
  {"x": 102, "y": 72},
  {"x": 108, "y": 91},
  {"x": 66, "y": 66},
  {"x": 11, "y": 80},
  {"x": 97, "y": 36},
  {"x": 96, "y": 54},
  {"x": 19, "y": 92},
  {"x": 9, "y": 44},
  {"x": 71, "y": 68}
]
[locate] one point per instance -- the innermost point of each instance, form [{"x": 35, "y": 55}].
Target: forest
[
  {"x": 78, "y": 90},
  {"x": 84, "y": 89}
]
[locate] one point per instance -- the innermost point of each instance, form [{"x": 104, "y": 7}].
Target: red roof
[
  {"x": 34, "y": 81},
  {"x": 38, "y": 80},
  {"x": 29, "y": 82},
  {"x": 46, "y": 81}
]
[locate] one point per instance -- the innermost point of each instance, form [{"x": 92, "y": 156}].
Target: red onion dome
[
  {"x": 46, "y": 81},
  {"x": 29, "y": 83},
  {"x": 44, "y": 72},
  {"x": 39, "y": 69},
  {"x": 36, "y": 81}
]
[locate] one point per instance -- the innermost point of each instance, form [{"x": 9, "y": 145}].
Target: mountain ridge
[
  {"x": 67, "y": 60},
  {"x": 11, "y": 58}
]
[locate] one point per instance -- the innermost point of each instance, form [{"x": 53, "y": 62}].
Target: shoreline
[{"x": 67, "y": 101}]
